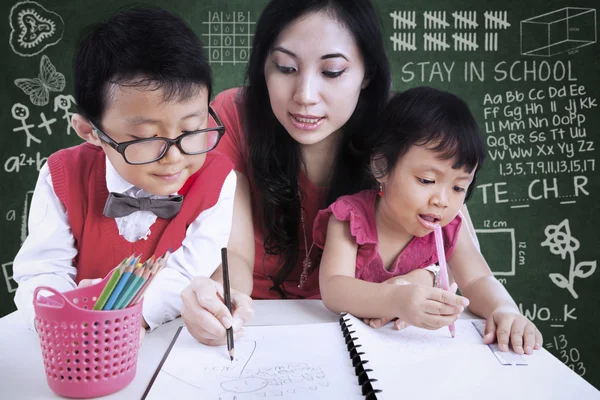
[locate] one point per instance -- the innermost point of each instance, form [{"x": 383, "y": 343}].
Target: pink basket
[{"x": 87, "y": 353}]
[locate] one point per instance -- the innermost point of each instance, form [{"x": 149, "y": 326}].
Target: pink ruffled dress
[{"x": 359, "y": 210}]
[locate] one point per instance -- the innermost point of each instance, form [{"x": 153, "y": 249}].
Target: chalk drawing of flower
[{"x": 560, "y": 242}]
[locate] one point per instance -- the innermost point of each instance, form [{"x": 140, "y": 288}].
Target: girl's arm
[
  {"x": 417, "y": 305},
  {"x": 490, "y": 300},
  {"x": 475, "y": 279},
  {"x": 468, "y": 223}
]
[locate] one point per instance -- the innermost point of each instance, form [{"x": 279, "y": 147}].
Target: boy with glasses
[{"x": 142, "y": 85}]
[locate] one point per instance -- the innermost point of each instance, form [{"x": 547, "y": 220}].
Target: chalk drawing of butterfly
[{"x": 39, "y": 88}]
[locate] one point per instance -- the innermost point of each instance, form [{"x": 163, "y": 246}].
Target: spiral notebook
[{"x": 337, "y": 360}]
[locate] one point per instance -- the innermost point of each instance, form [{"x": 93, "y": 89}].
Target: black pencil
[{"x": 227, "y": 295}]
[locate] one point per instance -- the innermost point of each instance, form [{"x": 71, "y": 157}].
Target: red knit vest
[{"x": 79, "y": 180}]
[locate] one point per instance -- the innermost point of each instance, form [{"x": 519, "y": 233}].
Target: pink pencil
[{"x": 439, "y": 244}]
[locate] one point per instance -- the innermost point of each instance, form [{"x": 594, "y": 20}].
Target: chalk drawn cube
[
  {"x": 558, "y": 31},
  {"x": 499, "y": 244}
]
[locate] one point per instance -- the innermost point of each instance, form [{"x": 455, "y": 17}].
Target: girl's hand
[
  {"x": 429, "y": 308},
  {"x": 507, "y": 323},
  {"x": 379, "y": 322},
  {"x": 206, "y": 315},
  {"x": 417, "y": 276}
]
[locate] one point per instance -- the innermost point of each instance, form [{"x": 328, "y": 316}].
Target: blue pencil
[
  {"x": 122, "y": 281},
  {"x": 125, "y": 296}
]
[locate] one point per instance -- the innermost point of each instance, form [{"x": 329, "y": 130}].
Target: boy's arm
[
  {"x": 45, "y": 259},
  {"x": 198, "y": 256}
]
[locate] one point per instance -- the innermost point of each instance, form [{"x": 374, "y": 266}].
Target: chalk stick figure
[
  {"x": 20, "y": 112},
  {"x": 46, "y": 123},
  {"x": 64, "y": 103}
]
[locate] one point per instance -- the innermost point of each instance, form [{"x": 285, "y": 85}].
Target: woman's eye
[
  {"x": 425, "y": 181},
  {"x": 333, "y": 74},
  {"x": 459, "y": 189},
  {"x": 285, "y": 70}
]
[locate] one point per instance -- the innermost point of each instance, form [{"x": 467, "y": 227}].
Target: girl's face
[
  {"x": 314, "y": 74},
  {"x": 423, "y": 190}
]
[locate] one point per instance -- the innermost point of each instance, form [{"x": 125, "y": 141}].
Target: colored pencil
[
  {"x": 156, "y": 268},
  {"x": 125, "y": 295},
  {"x": 139, "y": 284},
  {"x": 110, "y": 285},
  {"x": 120, "y": 285}
]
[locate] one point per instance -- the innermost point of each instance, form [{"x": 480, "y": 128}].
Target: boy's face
[{"x": 135, "y": 113}]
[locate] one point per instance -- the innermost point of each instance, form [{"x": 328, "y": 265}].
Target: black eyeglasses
[{"x": 146, "y": 151}]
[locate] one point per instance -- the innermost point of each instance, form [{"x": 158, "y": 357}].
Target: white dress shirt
[{"x": 46, "y": 257}]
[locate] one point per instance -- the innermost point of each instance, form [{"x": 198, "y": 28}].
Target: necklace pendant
[{"x": 306, "y": 264}]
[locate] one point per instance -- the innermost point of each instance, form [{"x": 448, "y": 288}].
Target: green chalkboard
[{"x": 530, "y": 70}]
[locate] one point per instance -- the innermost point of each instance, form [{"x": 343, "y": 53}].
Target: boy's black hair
[
  {"x": 424, "y": 116},
  {"x": 142, "y": 47}
]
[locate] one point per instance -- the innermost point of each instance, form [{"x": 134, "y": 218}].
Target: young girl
[{"x": 424, "y": 157}]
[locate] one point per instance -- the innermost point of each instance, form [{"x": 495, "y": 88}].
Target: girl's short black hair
[{"x": 424, "y": 116}]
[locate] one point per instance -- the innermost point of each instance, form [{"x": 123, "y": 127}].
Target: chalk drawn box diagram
[
  {"x": 558, "y": 31},
  {"x": 229, "y": 37},
  {"x": 498, "y": 246},
  {"x": 7, "y": 272}
]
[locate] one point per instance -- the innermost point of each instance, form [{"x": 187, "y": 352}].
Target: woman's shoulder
[{"x": 227, "y": 99}]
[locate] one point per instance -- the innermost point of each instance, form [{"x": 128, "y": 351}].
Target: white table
[{"x": 22, "y": 370}]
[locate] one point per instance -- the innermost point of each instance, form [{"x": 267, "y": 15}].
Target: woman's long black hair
[{"x": 274, "y": 156}]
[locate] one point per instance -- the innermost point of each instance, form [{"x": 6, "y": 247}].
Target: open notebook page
[
  {"x": 415, "y": 361},
  {"x": 284, "y": 362},
  {"x": 418, "y": 363}
]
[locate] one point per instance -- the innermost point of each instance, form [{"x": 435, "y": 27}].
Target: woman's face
[{"x": 314, "y": 74}]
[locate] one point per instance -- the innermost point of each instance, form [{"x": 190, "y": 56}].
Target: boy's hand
[
  {"x": 88, "y": 282},
  {"x": 508, "y": 324},
  {"x": 206, "y": 315},
  {"x": 428, "y": 308}
]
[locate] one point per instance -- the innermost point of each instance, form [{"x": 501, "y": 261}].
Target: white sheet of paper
[
  {"x": 283, "y": 362},
  {"x": 424, "y": 364}
]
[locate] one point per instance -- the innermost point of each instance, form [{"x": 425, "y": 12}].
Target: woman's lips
[{"x": 306, "y": 122}]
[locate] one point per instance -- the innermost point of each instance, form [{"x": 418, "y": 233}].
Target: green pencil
[
  {"x": 110, "y": 285},
  {"x": 132, "y": 283}
]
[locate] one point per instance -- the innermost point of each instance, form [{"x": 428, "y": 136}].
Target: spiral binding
[{"x": 357, "y": 362}]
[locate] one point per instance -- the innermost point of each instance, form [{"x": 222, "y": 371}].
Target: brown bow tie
[{"x": 121, "y": 205}]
